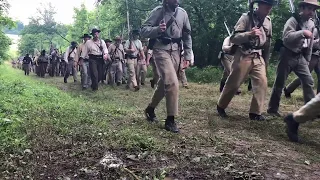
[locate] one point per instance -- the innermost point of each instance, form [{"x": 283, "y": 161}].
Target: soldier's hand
[
  {"x": 308, "y": 34},
  {"x": 186, "y": 64},
  {"x": 255, "y": 32},
  {"x": 80, "y": 62},
  {"x": 163, "y": 26},
  {"x": 105, "y": 57}
]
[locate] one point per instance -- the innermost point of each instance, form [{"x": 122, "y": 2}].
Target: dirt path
[{"x": 207, "y": 147}]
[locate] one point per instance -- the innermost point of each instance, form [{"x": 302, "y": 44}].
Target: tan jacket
[
  {"x": 242, "y": 34},
  {"x": 116, "y": 53},
  {"x": 80, "y": 51},
  {"x": 92, "y": 47},
  {"x": 151, "y": 29},
  {"x": 294, "y": 39},
  {"x": 73, "y": 54}
]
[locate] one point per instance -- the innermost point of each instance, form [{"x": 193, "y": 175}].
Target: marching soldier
[
  {"x": 295, "y": 54},
  {"x": 27, "y": 61},
  {"x": 150, "y": 60},
  {"x": 314, "y": 64},
  {"x": 116, "y": 53},
  {"x": 182, "y": 74},
  {"x": 142, "y": 65},
  {"x": 249, "y": 39},
  {"x": 308, "y": 112},
  {"x": 71, "y": 62},
  {"x": 134, "y": 50},
  {"x": 106, "y": 75},
  {"x": 55, "y": 63},
  {"x": 97, "y": 52},
  {"x": 124, "y": 66},
  {"x": 42, "y": 61},
  {"x": 62, "y": 65},
  {"x": 37, "y": 67},
  {"x": 168, "y": 25},
  {"x": 226, "y": 62},
  {"x": 84, "y": 63}
]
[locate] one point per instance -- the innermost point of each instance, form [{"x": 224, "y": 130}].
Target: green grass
[
  {"x": 68, "y": 129},
  {"x": 213, "y": 74}
]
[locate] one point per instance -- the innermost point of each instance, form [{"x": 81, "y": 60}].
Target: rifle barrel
[{"x": 292, "y": 8}]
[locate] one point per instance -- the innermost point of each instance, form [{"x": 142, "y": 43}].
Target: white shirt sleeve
[{"x": 66, "y": 55}]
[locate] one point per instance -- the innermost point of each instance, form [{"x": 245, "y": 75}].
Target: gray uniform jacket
[
  {"x": 294, "y": 39},
  {"x": 180, "y": 28}
]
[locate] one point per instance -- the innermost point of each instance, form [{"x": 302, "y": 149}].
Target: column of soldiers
[
  {"x": 105, "y": 62},
  {"x": 247, "y": 53},
  {"x": 169, "y": 51}
]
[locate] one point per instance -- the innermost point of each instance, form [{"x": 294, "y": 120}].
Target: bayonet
[
  {"x": 225, "y": 24},
  {"x": 292, "y": 8}
]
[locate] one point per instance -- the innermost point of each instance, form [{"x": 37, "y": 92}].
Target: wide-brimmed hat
[
  {"x": 94, "y": 30},
  {"x": 270, "y": 2},
  {"x": 108, "y": 40},
  {"x": 73, "y": 43},
  {"x": 310, "y": 2},
  {"x": 117, "y": 38},
  {"x": 144, "y": 40},
  {"x": 85, "y": 36},
  {"x": 135, "y": 32}
]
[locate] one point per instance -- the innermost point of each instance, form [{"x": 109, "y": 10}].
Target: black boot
[
  {"x": 170, "y": 125},
  {"x": 286, "y": 93},
  {"x": 249, "y": 85},
  {"x": 222, "y": 113},
  {"x": 222, "y": 84},
  {"x": 65, "y": 80},
  {"x": 292, "y": 128},
  {"x": 274, "y": 113},
  {"x": 256, "y": 117},
  {"x": 136, "y": 88},
  {"x": 238, "y": 92},
  {"x": 152, "y": 83},
  {"x": 151, "y": 116}
]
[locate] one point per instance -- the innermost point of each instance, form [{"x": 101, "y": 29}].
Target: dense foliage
[
  {"x": 16, "y": 30},
  {"x": 5, "y": 21}
]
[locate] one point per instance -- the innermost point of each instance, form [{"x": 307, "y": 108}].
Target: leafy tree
[
  {"x": 4, "y": 22},
  {"x": 16, "y": 30},
  {"x": 43, "y": 32}
]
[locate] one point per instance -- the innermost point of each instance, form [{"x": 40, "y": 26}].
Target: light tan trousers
[
  {"x": 141, "y": 72},
  {"x": 155, "y": 71},
  {"x": 243, "y": 66},
  {"x": 167, "y": 63},
  {"x": 309, "y": 111},
  {"x": 183, "y": 77},
  {"x": 227, "y": 64},
  {"x": 132, "y": 66}
]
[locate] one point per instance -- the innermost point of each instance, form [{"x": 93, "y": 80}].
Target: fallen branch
[{"x": 131, "y": 173}]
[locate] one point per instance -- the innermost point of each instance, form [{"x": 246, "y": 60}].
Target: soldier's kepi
[
  {"x": 250, "y": 40},
  {"x": 168, "y": 25}
]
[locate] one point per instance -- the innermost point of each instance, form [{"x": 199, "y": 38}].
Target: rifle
[
  {"x": 221, "y": 53},
  {"x": 227, "y": 28},
  {"x": 253, "y": 43}
]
